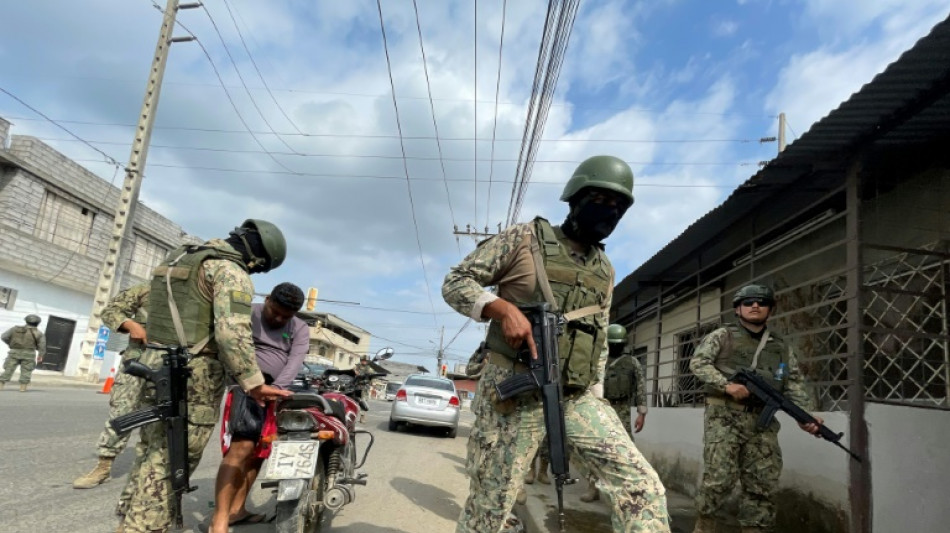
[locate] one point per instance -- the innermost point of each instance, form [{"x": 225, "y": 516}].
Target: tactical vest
[
  {"x": 619, "y": 381},
  {"x": 194, "y": 307},
  {"x": 24, "y": 338},
  {"x": 738, "y": 351},
  {"x": 574, "y": 286}
]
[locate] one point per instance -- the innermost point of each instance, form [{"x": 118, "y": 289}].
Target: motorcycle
[{"x": 313, "y": 460}]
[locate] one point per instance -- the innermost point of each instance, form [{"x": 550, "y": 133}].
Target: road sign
[
  {"x": 99, "y": 351},
  {"x": 103, "y": 335}
]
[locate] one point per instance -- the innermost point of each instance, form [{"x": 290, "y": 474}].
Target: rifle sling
[
  {"x": 176, "y": 317},
  {"x": 545, "y": 286},
  {"x": 728, "y": 371}
]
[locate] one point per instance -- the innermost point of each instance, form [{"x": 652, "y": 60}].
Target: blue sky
[{"x": 681, "y": 89}]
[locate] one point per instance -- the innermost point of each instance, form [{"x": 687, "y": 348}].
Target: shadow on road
[
  {"x": 453, "y": 457},
  {"x": 428, "y": 497},
  {"x": 370, "y": 528}
]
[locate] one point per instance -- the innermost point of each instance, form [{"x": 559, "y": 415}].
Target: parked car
[
  {"x": 391, "y": 389},
  {"x": 427, "y": 401}
]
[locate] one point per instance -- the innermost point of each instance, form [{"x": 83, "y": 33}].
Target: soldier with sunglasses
[{"x": 734, "y": 448}]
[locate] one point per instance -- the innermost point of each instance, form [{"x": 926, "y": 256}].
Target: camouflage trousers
[
  {"x": 502, "y": 445},
  {"x": 735, "y": 450},
  {"x": 25, "y": 359},
  {"x": 149, "y": 508},
  {"x": 125, "y": 397},
  {"x": 622, "y": 408}
]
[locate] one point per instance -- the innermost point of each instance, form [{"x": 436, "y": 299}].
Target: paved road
[{"x": 416, "y": 478}]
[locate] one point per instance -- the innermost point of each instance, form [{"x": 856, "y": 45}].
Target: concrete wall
[
  {"x": 909, "y": 468},
  {"x": 813, "y": 489}
]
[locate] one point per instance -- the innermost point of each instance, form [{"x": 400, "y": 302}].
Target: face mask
[
  {"x": 615, "y": 349},
  {"x": 590, "y": 223}
]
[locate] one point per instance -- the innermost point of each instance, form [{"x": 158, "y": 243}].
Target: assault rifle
[
  {"x": 171, "y": 408},
  {"x": 544, "y": 373},
  {"x": 775, "y": 400}
]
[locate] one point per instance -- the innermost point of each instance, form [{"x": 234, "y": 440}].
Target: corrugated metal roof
[{"x": 907, "y": 103}]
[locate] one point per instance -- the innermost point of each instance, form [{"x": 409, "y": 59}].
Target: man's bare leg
[
  {"x": 239, "y": 502},
  {"x": 231, "y": 479}
]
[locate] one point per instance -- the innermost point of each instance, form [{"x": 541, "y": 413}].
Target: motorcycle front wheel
[{"x": 304, "y": 515}]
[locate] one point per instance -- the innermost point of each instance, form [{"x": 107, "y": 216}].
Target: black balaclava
[
  {"x": 614, "y": 349},
  {"x": 590, "y": 223},
  {"x": 249, "y": 239}
]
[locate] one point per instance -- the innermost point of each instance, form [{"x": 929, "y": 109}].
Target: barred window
[{"x": 64, "y": 223}]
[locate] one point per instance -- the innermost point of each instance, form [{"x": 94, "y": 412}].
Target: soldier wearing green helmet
[
  {"x": 200, "y": 297},
  {"x": 735, "y": 451},
  {"x": 27, "y": 347},
  {"x": 565, "y": 266}
]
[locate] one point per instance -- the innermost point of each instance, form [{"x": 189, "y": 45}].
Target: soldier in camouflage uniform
[
  {"x": 567, "y": 267},
  {"x": 211, "y": 291},
  {"x": 126, "y": 313},
  {"x": 624, "y": 389},
  {"x": 25, "y": 343},
  {"x": 734, "y": 448}
]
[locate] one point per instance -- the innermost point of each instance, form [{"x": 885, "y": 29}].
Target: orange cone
[{"x": 107, "y": 386}]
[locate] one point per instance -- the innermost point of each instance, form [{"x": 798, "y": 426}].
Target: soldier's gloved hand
[
  {"x": 135, "y": 330},
  {"x": 267, "y": 393},
  {"x": 737, "y": 391},
  {"x": 514, "y": 325}
]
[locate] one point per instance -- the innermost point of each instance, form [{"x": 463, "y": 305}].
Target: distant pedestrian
[{"x": 27, "y": 348}]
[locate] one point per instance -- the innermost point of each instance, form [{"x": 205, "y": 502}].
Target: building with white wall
[
  {"x": 851, "y": 226},
  {"x": 335, "y": 339},
  {"x": 55, "y": 221}
]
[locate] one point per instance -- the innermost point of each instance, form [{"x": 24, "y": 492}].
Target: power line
[
  {"x": 406, "y": 137},
  {"x": 475, "y": 108},
  {"x": 405, "y": 164},
  {"x": 494, "y": 128},
  {"x": 256, "y": 69},
  {"x": 435, "y": 126}
]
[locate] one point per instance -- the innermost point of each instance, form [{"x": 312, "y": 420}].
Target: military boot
[
  {"x": 592, "y": 493},
  {"x": 705, "y": 524},
  {"x": 543, "y": 472},
  {"x": 22, "y": 387},
  {"x": 98, "y": 475},
  {"x": 532, "y": 473}
]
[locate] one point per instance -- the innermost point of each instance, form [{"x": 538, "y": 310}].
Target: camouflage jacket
[
  {"x": 33, "y": 334},
  {"x": 130, "y": 304},
  {"x": 703, "y": 366},
  {"x": 639, "y": 397}
]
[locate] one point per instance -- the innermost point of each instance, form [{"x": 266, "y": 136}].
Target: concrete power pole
[
  {"x": 441, "y": 354},
  {"x": 119, "y": 243},
  {"x": 781, "y": 132}
]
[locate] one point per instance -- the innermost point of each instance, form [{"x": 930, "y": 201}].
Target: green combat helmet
[
  {"x": 754, "y": 291},
  {"x": 603, "y": 172},
  {"x": 616, "y": 333},
  {"x": 33, "y": 320},
  {"x": 275, "y": 246}
]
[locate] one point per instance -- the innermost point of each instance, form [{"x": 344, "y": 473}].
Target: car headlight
[{"x": 295, "y": 421}]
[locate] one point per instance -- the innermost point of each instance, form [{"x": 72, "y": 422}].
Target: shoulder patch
[{"x": 240, "y": 302}]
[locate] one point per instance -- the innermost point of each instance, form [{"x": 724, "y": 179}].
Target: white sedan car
[{"x": 427, "y": 401}]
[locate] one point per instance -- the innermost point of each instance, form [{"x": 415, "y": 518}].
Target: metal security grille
[{"x": 905, "y": 323}]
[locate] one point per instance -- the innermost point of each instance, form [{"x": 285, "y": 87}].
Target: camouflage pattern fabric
[
  {"x": 623, "y": 412},
  {"x": 501, "y": 446},
  {"x": 125, "y": 397},
  {"x": 735, "y": 452},
  {"x": 734, "y": 449},
  {"x": 23, "y": 356},
  {"x": 232, "y": 351}
]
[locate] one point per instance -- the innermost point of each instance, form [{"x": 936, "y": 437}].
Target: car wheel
[
  {"x": 393, "y": 425},
  {"x": 452, "y": 432}
]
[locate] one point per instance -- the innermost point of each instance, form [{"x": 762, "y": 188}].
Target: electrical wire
[
  {"x": 258, "y": 70},
  {"x": 494, "y": 128},
  {"x": 435, "y": 126},
  {"x": 405, "y": 163}
]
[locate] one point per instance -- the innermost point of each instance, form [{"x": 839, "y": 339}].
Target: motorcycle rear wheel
[{"x": 304, "y": 515}]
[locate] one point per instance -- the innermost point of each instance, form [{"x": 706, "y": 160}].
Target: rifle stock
[
  {"x": 544, "y": 373},
  {"x": 774, "y": 401}
]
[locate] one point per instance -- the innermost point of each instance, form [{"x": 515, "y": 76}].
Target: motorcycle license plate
[{"x": 292, "y": 460}]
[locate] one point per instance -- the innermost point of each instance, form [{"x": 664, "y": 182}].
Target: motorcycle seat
[{"x": 303, "y": 400}]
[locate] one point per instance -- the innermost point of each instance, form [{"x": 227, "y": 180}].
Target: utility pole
[
  {"x": 473, "y": 232},
  {"x": 781, "y": 132},
  {"x": 119, "y": 248},
  {"x": 441, "y": 354}
]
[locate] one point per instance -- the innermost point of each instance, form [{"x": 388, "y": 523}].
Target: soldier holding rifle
[
  {"x": 565, "y": 267},
  {"x": 734, "y": 447}
]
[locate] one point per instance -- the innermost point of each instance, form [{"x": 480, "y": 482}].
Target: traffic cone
[{"x": 107, "y": 386}]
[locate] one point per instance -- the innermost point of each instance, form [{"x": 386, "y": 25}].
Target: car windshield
[
  {"x": 393, "y": 387},
  {"x": 432, "y": 383},
  {"x": 314, "y": 368}
]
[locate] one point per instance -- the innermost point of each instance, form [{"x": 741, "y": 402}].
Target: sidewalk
[
  {"x": 539, "y": 514},
  {"x": 49, "y": 378}
]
